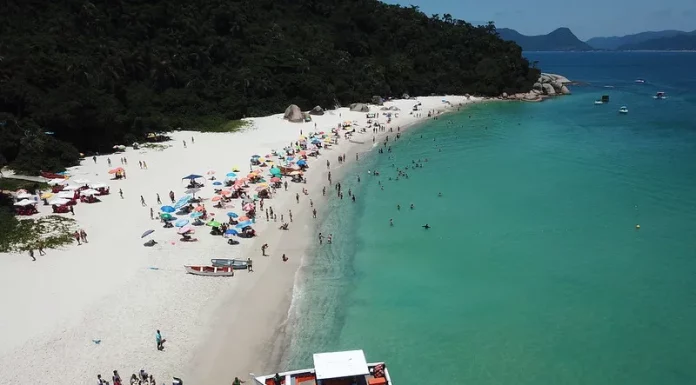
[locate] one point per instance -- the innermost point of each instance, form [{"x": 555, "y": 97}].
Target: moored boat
[
  {"x": 598, "y": 102},
  {"x": 210, "y": 271},
  {"x": 640, "y": 80},
  {"x": 623, "y": 110},
  {"x": 660, "y": 95},
  {"x": 349, "y": 367},
  {"x": 236, "y": 264}
]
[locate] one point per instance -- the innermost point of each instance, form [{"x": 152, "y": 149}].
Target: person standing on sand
[
  {"x": 152, "y": 213},
  {"x": 193, "y": 141},
  {"x": 76, "y": 235},
  {"x": 31, "y": 254},
  {"x": 285, "y": 259},
  {"x": 159, "y": 340},
  {"x": 120, "y": 192},
  {"x": 329, "y": 177},
  {"x": 314, "y": 213},
  {"x": 323, "y": 191},
  {"x": 184, "y": 143},
  {"x": 171, "y": 196},
  {"x": 285, "y": 184},
  {"x": 263, "y": 249},
  {"x": 297, "y": 197},
  {"x": 40, "y": 246},
  {"x": 116, "y": 378},
  {"x": 94, "y": 158},
  {"x": 237, "y": 381},
  {"x": 266, "y": 215},
  {"x": 321, "y": 238},
  {"x": 290, "y": 214},
  {"x": 159, "y": 201},
  {"x": 108, "y": 160},
  {"x": 328, "y": 164},
  {"x": 250, "y": 268},
  {"x": 83, "y": 235},
  {"x": 72, "y": 210},
  {"x": 311, "y": 203},
  {"x": 142, "y": 201}
]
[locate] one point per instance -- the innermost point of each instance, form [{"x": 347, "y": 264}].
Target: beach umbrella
[
  {"x": 231, "y": 232},
  {"x": 275, "y": 179},
  {"x": 255, "y": 156},
  {"x": 261, "y": 188},
  {"x": 244, "y": 224},
  {"x": 243, "y": 218},
  {"x": 46, "y": 195},
  {"x": 192, "y": 191},
  {"x": 181, "y": 222},
  {"x": 182, "y": 201},
  {"x": 167, "y": 209},
  {"x": 235, "y": 168},
  {"x": 301, "y": 162},
  {"x": 25, "y": 202},
  {"x": 192, "y": 177},
  {"x": 197, "y": 214},
  {"x": 211, "y": 172},
  {"x": 232, "y": 215},
  {"x": 217, "y": 183},
  {"x": 216, "y": 198},
  {"x": 148, "y": 232},
  {"x": 248, "y": 207},
  {"x": 185, "y": 229},
  {"x": 214, "y": 224},
  {"x": 166, "y": 216},
  {"x": 199, "y": 209},
  {"x": 231, "y": 175},
  {"x": 115, "y": 170},
  {"x": 275, "y": 171},
  {"x": 24, "y": 195},
  {"x": 296, "y": 173}
]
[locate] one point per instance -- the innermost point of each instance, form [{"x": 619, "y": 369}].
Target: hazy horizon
[{"x": 591, "y": 18}]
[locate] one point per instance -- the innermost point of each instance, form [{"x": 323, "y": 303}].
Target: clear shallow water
[{"x": 533, "y": 272}]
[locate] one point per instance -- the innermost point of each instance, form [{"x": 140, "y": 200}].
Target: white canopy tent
[
  {"x": 24, "y": 195},
  {"x": 98, "y": 185},
  {"x": 58, "y": 201},
  {"x": 89, "y": 192},
  {"x": 71, "y": 187},
  {"x": 340, "y": 364},
  {"x": 54, "y": 182},
  {"x": 25, "y": 202},
  {"x": 66, "y": 195}
]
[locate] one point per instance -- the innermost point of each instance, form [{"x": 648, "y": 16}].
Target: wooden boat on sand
[
  {"x": 210, "y": 271},
  {"x": 236, "y": 264}
]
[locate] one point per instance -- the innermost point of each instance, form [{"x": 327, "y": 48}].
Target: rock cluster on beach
[{"x": 547, "y": 85}]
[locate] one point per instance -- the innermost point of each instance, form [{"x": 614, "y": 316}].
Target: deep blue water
[{"x": 533, "y": 271}]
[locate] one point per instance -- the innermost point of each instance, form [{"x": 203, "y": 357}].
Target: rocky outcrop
[{"x": 547, "y": 85}]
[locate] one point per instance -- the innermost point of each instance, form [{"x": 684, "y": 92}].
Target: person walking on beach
[
  {"x": 266, "y": 215},
  {"x": 142, "y": 201},
  {"x": 285, "y": 184},
  {"x": 329, "y": 177},
  {"x": 108, "y": 160},
  {"x": 31, "y": 254},
  {"x": 76, "y": 235},
  {"x": 285, "y": 259},
  {"x": 40, "y": 246},
  {"x": 193, "y": 141},
  {"x": 323, "y": 191},
  {"x": 237, "y": 381},
  {"x": 140, "y": 163},
  {"x": 171, "y": 196},
  {"x": 72, "y": 210},
  {"x": 159, "y": 340},
  {"x": 250, "y": 268},
  {"x": 152, "y": 213},
  {"x": 94, "y": 158},
  {"x": 263, "y": 249},
  {"x": 314, "y": 213},
  {"x": 159, "y": 201},
  {"x": 290, "y": 214},
  {"x": 184, "y": 143},
  {"x": 327, "y": 164},
  {"x": 297, "y": 197},
  {"x": 83, "y": 235},
  {"x": 116, "y": 378}
]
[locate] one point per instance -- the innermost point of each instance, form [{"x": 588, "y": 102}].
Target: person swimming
[{"x": 426, "y": 226}]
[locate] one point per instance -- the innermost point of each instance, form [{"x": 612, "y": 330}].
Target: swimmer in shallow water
[{"x": 426, "y": 226}]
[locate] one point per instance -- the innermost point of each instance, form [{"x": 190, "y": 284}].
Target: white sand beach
[{"x": 90, "y": 309}]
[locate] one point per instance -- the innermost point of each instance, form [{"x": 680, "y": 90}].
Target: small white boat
[
  {"x": 348, "y": 367},
  {"x": 640, "y": 80},
  {"x": 210, "y": 271},
  {"x": 660, "y": 95},
  {"x": 623, "y": 110},
  {"x": 598, "y": 102},
  {"x": 237, "y": 264}
]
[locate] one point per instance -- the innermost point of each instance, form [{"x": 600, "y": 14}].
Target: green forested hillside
[{"x": 96, "y": 73}]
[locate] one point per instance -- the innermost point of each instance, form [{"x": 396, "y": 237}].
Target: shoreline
[{"x": 117, "y": 292}]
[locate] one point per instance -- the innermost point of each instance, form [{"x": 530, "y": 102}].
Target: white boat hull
[{"x": 210, "y": 271}]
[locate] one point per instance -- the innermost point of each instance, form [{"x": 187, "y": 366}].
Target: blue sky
[{"x": 586, "y": 18}]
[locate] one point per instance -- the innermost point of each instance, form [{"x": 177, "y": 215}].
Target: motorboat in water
[
  {"x": 640, "y": 80},
  {"x": 623, "y": 110},
  {"x": 210, "y": 271},
  {"x": 598, "y": 102},
  {"x": 349, "y": 367},
  {"x": 236, "y": 264},
  {"x": 660, "y": 95}
]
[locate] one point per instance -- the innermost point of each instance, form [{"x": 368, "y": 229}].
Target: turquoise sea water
[{"x": 533, "y": 271}]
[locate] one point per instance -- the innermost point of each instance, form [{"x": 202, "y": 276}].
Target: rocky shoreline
[{"x": 548, "y": 85}]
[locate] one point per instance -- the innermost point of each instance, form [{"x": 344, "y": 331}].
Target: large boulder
[
  {"x": 293, "y": 114},
  {"x": 317, "y": 111},
  {"x": 548, "y": 89},
  {"x": 377, "y": 100},
  {"x": 359, "y": 107},
  {"x": 531, "y": 96},
  {"x": 537, "y": 86},
  {"x": 405, "y": 96},
  {"x": 505, "y": 95},
  {"x": 565, "y": 90}
]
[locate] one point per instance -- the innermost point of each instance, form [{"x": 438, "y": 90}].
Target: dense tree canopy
[{"x": 96, "y": 73}]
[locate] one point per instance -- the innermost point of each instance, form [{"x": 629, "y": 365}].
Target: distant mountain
[
  {"x": 561, "y": 39},
  {"x": 614, "y": 42},
  {"x": 681, "y": 42}
]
